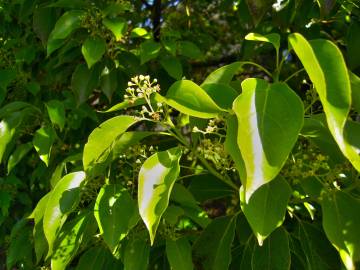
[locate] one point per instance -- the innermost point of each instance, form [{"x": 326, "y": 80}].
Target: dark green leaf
[
  {"x": 189, "y": 49},
  {"x": 224, "y": 74},
  {"x": 18, "y": 154},
  {"x": 56, "y": 111},
  {"x": 67, "y": 23},
  {"x": 137, "y": 254},
  {"x": 149, "y": 50},
  {"x": 212, "y": 250},
  {"x": 172, "y": 66},
  {"x": 178, "y": 253}
]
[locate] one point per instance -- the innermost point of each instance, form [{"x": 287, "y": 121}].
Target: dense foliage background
[{"x": 100, "y": 98}]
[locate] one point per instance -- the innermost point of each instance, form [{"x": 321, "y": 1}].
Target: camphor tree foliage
[{"x": 181, "y": 135}]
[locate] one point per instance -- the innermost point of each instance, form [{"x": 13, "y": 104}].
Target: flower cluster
[{"x": 141, "y": 87}]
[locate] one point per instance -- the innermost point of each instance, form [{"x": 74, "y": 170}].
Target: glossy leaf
[
  {"x": 341, "y": 222},
  {"x": 274, "y": 253},
  {"x": 266, "y": 209},
  {"x": 67, "y": 23},
  {"x": 222, "y": 94},
  {"x": 117, "y": 26},
  {"x": 269, "y": 120},
  {"x": 273, "y": 38},
  {"x": 326, "y": 67},
  {"x": 62, "y": 200},
  {"x": 149, "y": 50},
  {"x": 137, "y": 254},
  {"x": 224, "y": 74},
  {"x": 56, "y": 111},
  {"x": 212, "y": 250},
  {"x": 69, "y": 241},
  {"x": 43, "y": 141},
  {"x": 116, "y": 213},
  {"x": 172, "y": 66},
  {"x": 156, "y": 180},
  {"x": 18, "y": 155},
  {"x": 187, "y": 97},
  {"x": 93, "y": 50},
  {"x": 101, "y": 140},
  {"x": 178, "y": 253}
]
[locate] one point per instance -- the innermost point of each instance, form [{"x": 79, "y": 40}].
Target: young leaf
[
  {"x": 212, "y": 250},
  {"x": 67, "y": 23},
  {"x": 43, "y": 141},
  {"x": 116, "y": 213},
  {"x": 56, "y": 111},
  {"x": 137, "y": 254},
  {"x": 269, "y": 120},
  {"x": 149, "y": 50},
  {"x": 18, "y": 154},
  {"x": 93, "y": 49},
  {"x": 63, "y": 198},
  {"x": 101, "y": 140},
  {"x": 274, "y": 254},
  {"x": 178, "y": 253},
  {"x": 187, "y": 97},
  {"x": 156, "y": 180},
  {"x": 172, "y": 66},
  {"x": 273, "y": 38},
  {"x": 117, "y": 26},
  {"x": 341, "y": 223},
  {"x": 224, "y": 74},
  {"x": 326, "y": 67},
  {"x": 265, "y": 211}
]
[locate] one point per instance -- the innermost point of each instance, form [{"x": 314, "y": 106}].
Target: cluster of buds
[
  {"x": 141, "y": 87},
  {"x": 212, "y": 127}
]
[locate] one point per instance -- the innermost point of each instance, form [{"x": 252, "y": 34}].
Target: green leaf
[
  {"x": 43, "y": 141},
  {"x": 317, "y": 131},
  {"x": 56, "y": 111},
  {"x": 93, "y": 49},
  {"x": 44, "y": 19},
  {"x": 258, "y": 8},
  {"x": 232, "y": 147},
  {"x": 224, "y": 74},
  {"x": 353, "y": 43},
  {"x": 273, "y": 38},
  {"x": 269, "y": 120},
  {"x": 189, "y": 98},
  {"x": 101, "y": 140},
  {"x": 116, "y": 214},
  {"x": 117, "y": 26},
  {"x": 355, "y": 91},
  {"x": 223, "y": 95},
  {"x": 266, "y": 209},
  {"x": 6, "y": 77},
  {"x": 67, "y": 23},
  {"x": 83, "y": 82},
  {"x": 212, "y": 250},
  {"x": 341, "y": 222},
  {"x": 274, "y": 254},
  {"x": 189, "y": 49},
  {"x": 63, "y": 199},
  {"x": 172, "y": 66},
  {"x": 96, "y": 258},
  {"x": 18, "y": 154},
  {"x": 68, "y": 242},
  {"x": 156, "y": 180},
  {"x": 8, "y": 127},
  {"x": 137, "y": 254},
  {"x": 326, "y": 67},
  {"x": 109, "y": 82},
  {"x": 149, "y": 50},
  {"x": 178, "y": 253}
]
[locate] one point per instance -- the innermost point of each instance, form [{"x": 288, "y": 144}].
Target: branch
[{"x": 156, "y": 19}]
